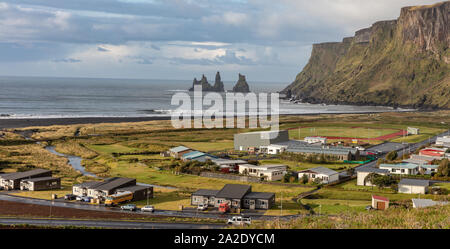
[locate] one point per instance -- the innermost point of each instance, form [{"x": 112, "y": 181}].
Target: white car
[
  {"x": 202, "y": 207},
  {"x": 148, "y": 209},
  {"x": 239, "y": 221}
]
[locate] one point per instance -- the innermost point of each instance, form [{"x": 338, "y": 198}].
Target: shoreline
[{"x": 31, "y": 122}]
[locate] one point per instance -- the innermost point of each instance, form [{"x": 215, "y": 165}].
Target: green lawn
[
  {"x": 297, "y": 166},
  {"x": 339, "y": 132},
  {"x": 210, "y": 146},
  {"x": 327, "y": 206}
]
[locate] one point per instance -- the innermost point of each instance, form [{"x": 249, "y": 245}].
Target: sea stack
[
  {"x": 218, "y": 85},
  {"x": 206, "y": 87},
  {"x": 241, "y": 86}
]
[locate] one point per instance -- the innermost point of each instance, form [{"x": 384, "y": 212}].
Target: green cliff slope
[{"x": 403, "y": 62}]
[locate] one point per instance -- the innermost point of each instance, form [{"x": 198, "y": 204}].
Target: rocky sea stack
[
  {"x": 403, "y": 62},
  {"x": 206, "y": 87},
  {"x": 242, "y": 85}
]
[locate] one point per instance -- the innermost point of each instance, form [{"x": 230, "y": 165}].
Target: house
[
  {"x": 413, "y": 131},
  {"x": 268, "y": 172},
  {"x": 109, "y": 186},
  {"x": 325, "y": 175},
  {"x": 196, "y": 155},
  {"x": 380, "y": 203},
  {"x": 11, "y": 181},
  {"x": 139, "y": 192},
  {"x": 179, "y": 151},
  {"x": 363, "y": 172},
  {"x": 315, "y": 140},
  {"x": 443, "y": 141},
  {"x": 82, "y": 188},
  {"x": 227, "y": 165},
  {"x": 428, "y": 169},
  {"x": 338, "y": 152},
  {"x": 423, "y": 203},
  {"x": 40, "y": 183},
  {"x": 236, "y": 195},
  {"x": 244, "y": 141},
  {"x": 273, "y": 149},
  {"x": 433, "y": 152},
  {"x": 401, "y": 168},
  {"x": 413, "y": 186}
]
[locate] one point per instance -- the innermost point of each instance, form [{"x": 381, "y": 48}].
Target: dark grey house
[
  {"x": 244, "y": 141},
  {"x": 12, "y": 181},
  {"x": 236, "y": 195},
  {"x": 109, "y": 186},
  {"x": 139, "y": 192},
  {"x": 40, "y": 183}
]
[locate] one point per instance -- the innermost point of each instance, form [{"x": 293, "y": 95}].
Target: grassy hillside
[{"x": 405, "y": 62}]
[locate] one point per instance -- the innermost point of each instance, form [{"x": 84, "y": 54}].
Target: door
[
  {"x": 381, "y": 205},
  {"x": 252, "y": 205}
]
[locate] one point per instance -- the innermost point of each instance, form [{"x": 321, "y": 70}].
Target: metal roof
[
  {"x": 41, "y": 179},
  {"x": 133, "y": 188},
  {"x": 321, "y": 170},
  {"x": 414, "y": 182},
  {"x": 421, "y": 203},
  {"x": 381, "y": 198},
  {"x": 220, "y": 161},
  {"x": 193, "y": 154},
  {"x": 372, "y": 170},
  {"x": 206, "y": 192},
  {"x": 233, "y": 191},
  {"x": 113, "y": 183},
  {"x": 399, "y": 166},
  {"x": 88, "y": 184},
  {"x": 179, "y": 149},
  {"x": 259, "y": 195},
  {"x": 26, "y": 174}
]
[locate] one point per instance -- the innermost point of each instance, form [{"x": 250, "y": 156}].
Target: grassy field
[
  {"x": 47, "y": 194},
  {"x": 336, "y": 131},
  {"x": 297, "y": 166}
]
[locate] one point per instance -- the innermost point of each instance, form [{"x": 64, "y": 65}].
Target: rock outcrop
[
  {"x": 403, "y": 62},
  {"x": 206, "y": 87},
  {"x": 242, "y": 85}
]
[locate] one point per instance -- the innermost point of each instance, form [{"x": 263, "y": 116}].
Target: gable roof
[
  {"x": 259, "y": 195},
  {"x": 206, "y": 192},
  {"x": 414, "y": 182},
  {"x": 26, "y": 174},
  {"x": 321, "y": 170},
  {"x": 399, "y": 166},
  {"x": 113, "y": 183},
  {"x": 380, "y": 198},
  {"x": 179, "y": 149},
  {"x": 372, "y": 170},
  {"x": 193, "y": 154},
  {"x": 41, "y": 179},
  {"x": 234, "y": 191}
]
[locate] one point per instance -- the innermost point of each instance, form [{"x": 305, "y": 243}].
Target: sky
[{"x": 265, "y": 40}]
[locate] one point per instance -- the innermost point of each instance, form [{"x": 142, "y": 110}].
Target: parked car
[
  {"x": 202, "y": 207},
  {"x": 79, "y": 198},
  {"x": 148, "y": 209},
  {"x": 85, "y": 198},
  {"x": 70, "y": 197},
  {"x": 239, "y": 221},
  {"x": 129, "y": 207},
  {"x": 369, "y": 208}
]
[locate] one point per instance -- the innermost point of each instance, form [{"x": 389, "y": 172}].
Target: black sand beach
[{"x": 21, "y": 123}]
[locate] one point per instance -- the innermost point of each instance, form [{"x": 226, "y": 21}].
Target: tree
[
  {"x": 444, "y": 168},
  {"x": 391, "y": 156},
  {"x": 304, "y": 179}
]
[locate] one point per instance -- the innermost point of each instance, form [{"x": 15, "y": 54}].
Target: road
[
  {"x": 400, "y": 148},
  {"x": 108, "y": 224}
]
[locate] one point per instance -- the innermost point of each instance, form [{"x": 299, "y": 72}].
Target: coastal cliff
[{"x": 403, "y": 62}]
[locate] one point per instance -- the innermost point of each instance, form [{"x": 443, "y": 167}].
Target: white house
[
  {"x": 269, "y": 172},
  {"x": 428, "y": 169},
  {"x": 324, "y": 174},
  {"x": 413, "y": 186},
  {"x": 363, "y": 172},
  {"x": 401, "y": 168},
  {"x": 443, "y": 141},
  {"x": 314, "y": 140},
  {"x": 275, "y": 149},
  {"x": 413, "y": 131}
]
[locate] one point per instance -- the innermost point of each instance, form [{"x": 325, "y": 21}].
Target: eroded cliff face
[{"x": 403, "y": 62}]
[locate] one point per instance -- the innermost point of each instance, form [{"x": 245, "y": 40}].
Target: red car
[{"x": 224, "y": 208}]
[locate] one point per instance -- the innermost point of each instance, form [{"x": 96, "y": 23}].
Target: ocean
[{"x": 41, "y": 97}]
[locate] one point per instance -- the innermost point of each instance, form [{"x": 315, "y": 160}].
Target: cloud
[
  {"x": 67, "y": 60},
  {"x": 101, "y": 49}
]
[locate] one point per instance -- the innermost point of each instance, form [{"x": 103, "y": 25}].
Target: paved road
[
  {"x": 77, "y": 205},
  {"x": 400, "y": 148},
  {"x": 108, "y": 224}
]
